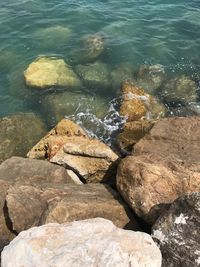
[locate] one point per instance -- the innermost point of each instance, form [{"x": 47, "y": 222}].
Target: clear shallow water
[{"x": 158, "y": 31}]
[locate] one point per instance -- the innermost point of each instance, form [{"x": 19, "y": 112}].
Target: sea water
[{"x": 136, "y": 32}]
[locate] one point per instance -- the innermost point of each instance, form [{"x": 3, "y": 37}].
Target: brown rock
[
  {"x": 19, "y": 133},
  {"x": 131, "y": 133},
  {"x": 137, "y": 104},
  {"x": 89, "y": 158},
  {"x": 55, "y": 139},
  {"x": 164, "y": 166}
]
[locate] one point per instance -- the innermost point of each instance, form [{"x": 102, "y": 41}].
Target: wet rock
[
  {"x": 180, "y": 89},
  {"x": 89, "y": 158},
  {"x": 131, "y": 133},
  {"x": 55, "y": 139},
  {"x": 46, "y": 72},
  {"x": 94, "y": 75},
  {"x": 120, "y": 74},
  {"x": 93, "y": 46},
  {"x": 137, "y": 104},
  {"x": 150, "y": 78},
  {"x": 177, "y": 232},
  {"x": 18, "y": 134},
  {"x": 95, "y": 242},
  {"x": 52, "y": 37},
  {"x": 164, "y": 166},
  {"x": 58, "y": 105}
]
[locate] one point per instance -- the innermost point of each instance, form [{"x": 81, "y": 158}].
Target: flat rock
[
  {"x": 94, "y": 242},
  {"x": 165, "y": 165},
  {"x": 177, "y": 232},
  {"x": 19, "y": 133},
  {"x": 136, "y": 104},
  {"x": 46, "y": 72}
]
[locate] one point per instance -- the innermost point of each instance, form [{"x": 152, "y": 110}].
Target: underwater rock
[
  {"x": 150, "y": 78},
  {"x": 177, "y": 232},
  {"x": 52, "y": 37},
  {"x": 180, "y": 89},
  {"x": 8, "y": 60},
  {"x": 55, "y": 139},
  {"x": 131, "y": 133},
  {"x": 94, "y": 75},
  {"x": 121, "y": 73},
  {"x": 164, "y": 166},
  {"x": 87, "y": 243},
  {"x": 136, "y": 104},
  {"x": 46, "y": 72},
  {"x": 93, "y": 46},
  {"x": 19, "y": 133},
  {"x": 56, "y": 106}
]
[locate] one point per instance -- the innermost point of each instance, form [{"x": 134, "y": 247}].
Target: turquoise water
[{"x": 136, "y": 32}]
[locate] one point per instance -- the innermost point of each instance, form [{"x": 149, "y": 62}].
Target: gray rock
[{"x": 177, "y": 232}]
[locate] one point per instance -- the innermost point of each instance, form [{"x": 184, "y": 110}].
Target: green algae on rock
[{"x": 46, "y": 72}]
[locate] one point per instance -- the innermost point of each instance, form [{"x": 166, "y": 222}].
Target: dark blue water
[{"x": 136, "y": 32}]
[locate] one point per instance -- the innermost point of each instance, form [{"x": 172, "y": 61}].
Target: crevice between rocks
[{"x": 8, "y": 220}]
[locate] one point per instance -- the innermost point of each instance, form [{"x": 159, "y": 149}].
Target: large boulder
[
  {"x": 95, "y": 242},
  {"x": 180, "y": 89},
  {"x": 136, "y": 104},
  {"x": 68, "y": 145},
  {"x": 19, "y": 133},
  {"x": 177, "y": 232},
  {"x": 46, "y": 72},
  {"x": 165, "y": 165},
  {"x": 94, "y": 75}
]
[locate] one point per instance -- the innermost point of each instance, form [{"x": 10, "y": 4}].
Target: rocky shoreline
[{"x": 68, "y": 197}]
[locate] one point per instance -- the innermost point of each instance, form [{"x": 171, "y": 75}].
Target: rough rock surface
[
  {"x": 137, "y": 104},
  {"x": 55, "y": 139},
  {"x": 33, "y": 192},
  {"x": 131, "y": 133},
  {"x": 121, "y": 73},
  {"x": 19, "y": 133},
  {"x": 93, "y": 46},
  {"x": 90, "y": 243},
  {"x": 150, "y": 78},
  {"x": 68, "y": 145},
  {"x": 178, "y": 90},
  {"x": 89, "y": 158},
  {"x": 94, "y": 74},
  {"x": 45, "y": 72},
  {"x": 177, "y": 232},
  {"x": 164, "y": 166}
]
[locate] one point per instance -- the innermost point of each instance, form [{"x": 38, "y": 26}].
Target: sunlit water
[{"x": 136, "y": 32}]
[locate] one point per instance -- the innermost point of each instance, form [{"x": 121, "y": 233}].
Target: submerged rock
[
  {"x": 58, "y": 105},
  {"x": 93, "y": 46},
  {"x": 94, "y": 75},
  {"x": 177, "y": 232},
  {"x": 131, "y": 133},
  {"x": 18, "y": 134},
  {"x": 136, "y": 104},
  {"x": 94, "y": 242},
  {"x": 46, "y": 72},
  {"x": 150, "y": 78},
  {"x": 164, "y": 166},
  {"x": 52, "y": 37},
  {"x": 180, "y": 89}
]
